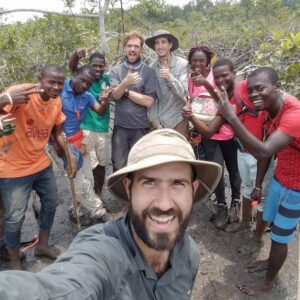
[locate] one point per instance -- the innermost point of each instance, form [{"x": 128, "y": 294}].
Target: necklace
[{"x": 77, "y": 112}]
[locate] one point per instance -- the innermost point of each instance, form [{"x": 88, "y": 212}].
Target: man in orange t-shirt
[{"x": 24, "y": 165}]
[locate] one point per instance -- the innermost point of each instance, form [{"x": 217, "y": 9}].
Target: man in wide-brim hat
[
  {"x": 172, "y": 74},
  {"x": 146, "y": 254}
]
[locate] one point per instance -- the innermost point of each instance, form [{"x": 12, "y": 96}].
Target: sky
[{"x": 53, "y": 5}]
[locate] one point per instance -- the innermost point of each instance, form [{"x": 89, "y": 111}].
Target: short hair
[
  {"x": 271, "y": 74},
  {"x": 86, "y": 68},
  {"x": 133, "y": 35},
  {"x": 224, "y": 62},
  {"x": 96, "y": 55},
  {"x": 52, "y": 68},
  {"x": 205, "y": 49}
]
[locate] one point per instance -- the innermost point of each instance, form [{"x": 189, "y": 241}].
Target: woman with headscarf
[{"x": 220, "y": 147}]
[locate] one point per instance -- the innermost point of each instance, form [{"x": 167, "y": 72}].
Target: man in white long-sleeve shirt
[{"x": 172, "y": 87}]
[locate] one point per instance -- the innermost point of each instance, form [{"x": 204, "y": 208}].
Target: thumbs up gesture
[
  {"x": 164, "y": 71},
  {"x": 187, "y": 111},
  {"x": 132, "y": 77}
]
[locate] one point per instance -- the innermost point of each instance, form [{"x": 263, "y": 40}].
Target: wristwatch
[{"x": 126, "y": 94}]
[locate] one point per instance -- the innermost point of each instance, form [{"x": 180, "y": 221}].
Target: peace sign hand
[
  {"x": 227, "y": 109},
  {"x": 21, "y": 94}
]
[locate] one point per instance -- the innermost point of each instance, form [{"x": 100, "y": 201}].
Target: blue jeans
[{"x": 15, "y": 194}]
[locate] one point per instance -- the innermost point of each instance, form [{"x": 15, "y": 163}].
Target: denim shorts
[
  {"x": 248, "y": 167},
  {"x": 15, "y": 193},
  {"x": 283, "y": 209}
]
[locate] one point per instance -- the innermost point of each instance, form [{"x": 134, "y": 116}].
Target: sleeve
[
  {"x": 150, "y": 83},
  {"x": 179, "y": 85},
  {"x": 153, "y": 112},
  {"x": 92, "y": 268},
  {"x": 114, "y": 79},
  {"x": 91, "y": 99},
  {"x": 61, "y": 117},
  {"x": 289, "y": 122}
]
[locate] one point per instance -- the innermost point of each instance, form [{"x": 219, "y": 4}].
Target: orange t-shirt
[{"x": 22, "y": 153}]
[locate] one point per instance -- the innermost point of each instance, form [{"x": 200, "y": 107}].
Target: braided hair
[{"x": 205, "y": 49}]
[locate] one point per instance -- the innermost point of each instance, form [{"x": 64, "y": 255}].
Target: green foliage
[
  {"x": 247, "y": 31},
  {"x": 282, "y": 53}
]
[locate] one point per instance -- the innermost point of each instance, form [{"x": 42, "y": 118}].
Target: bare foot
[
  {"x": 47, "y": 251},
  {"x": 258, "y": 266},
  {"x": 256, "y": 287}
]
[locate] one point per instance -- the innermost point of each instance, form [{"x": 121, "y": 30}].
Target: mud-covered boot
[
  {"x": 234, "y": 212},
  {"x": 220, "y": 220}
]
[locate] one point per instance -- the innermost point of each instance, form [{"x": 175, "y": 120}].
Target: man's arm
[
  {"x": 18, "y": 95},
  {"x": 59, "y": 139},
  {"x": 92, "y": 268},
  {"x": 75, "y": 58},
  {"x": 205, "y": 130},
  {"x": 262, "y": 168},
  {"x": 260, "y": 150},
  {"x": 131, "y": 78},
  {"x": 179, "y": 86}
]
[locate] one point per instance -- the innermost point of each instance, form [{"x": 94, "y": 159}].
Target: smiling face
[
  {"x": 224, "y": 77},
  {"x": 133, "y": 49},
  {"x": 99, "y": 66},
  {"x": 52, "y": 82},
  {"x": 262, "y": 92},
  {"x": 162, "y": 46},
  {"x": 199, "y": 62},
  {"x": 81, "y": 82},
  {"x": 161, "y": 203}
]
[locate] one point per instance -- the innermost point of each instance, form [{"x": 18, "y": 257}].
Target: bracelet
[
  {"x": 257, "y": 188},
  {"x": 9, "y": 97}
]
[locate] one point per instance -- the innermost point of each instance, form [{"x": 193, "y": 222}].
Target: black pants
[{"x": 220, "y": 152}]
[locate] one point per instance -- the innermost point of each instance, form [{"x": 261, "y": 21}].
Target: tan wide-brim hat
[
  {"x": 160, "y": 147},
  {"x": 162, "y": 33}
]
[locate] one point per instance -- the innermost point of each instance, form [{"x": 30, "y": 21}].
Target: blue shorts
[{"x": 283, "y": 209}]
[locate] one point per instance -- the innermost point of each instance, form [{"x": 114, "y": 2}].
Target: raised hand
[
  {"x": 187, "y": 111},
  {"x": 132, "y": 77},
  {"x": 227, "y": 109},
  {"x": 104, "y": 96},
  {"x": 164, "y": 71},
  {"x": 82, "y": 52},
  {"x": 4, "y": 119},
  {"x": 21, "y": 94},
  {"x": 197, "y": 78}
]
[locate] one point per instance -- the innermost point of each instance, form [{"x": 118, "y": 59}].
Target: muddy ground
[{"x": 221, "y": 266}]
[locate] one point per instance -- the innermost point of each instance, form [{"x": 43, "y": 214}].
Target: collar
[
  {"x": 68, "y": 87},
  {"x": 135, "y": 66},
  {"x": 179, "y": 251},
  {"x": 172, "y": 62}
]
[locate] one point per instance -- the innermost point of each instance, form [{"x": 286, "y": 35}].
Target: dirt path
[{"x": 221, "y": 266}]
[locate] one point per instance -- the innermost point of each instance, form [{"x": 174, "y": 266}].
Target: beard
[{"x": 158, "y": 241}]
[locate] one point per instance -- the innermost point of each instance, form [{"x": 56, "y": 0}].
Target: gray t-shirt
[
  {"x": 103, "y": 262},
  {"x": 127, "y": 113}
]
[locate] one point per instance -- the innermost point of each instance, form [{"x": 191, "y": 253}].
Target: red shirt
[{"x": 287, "y": 121}]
